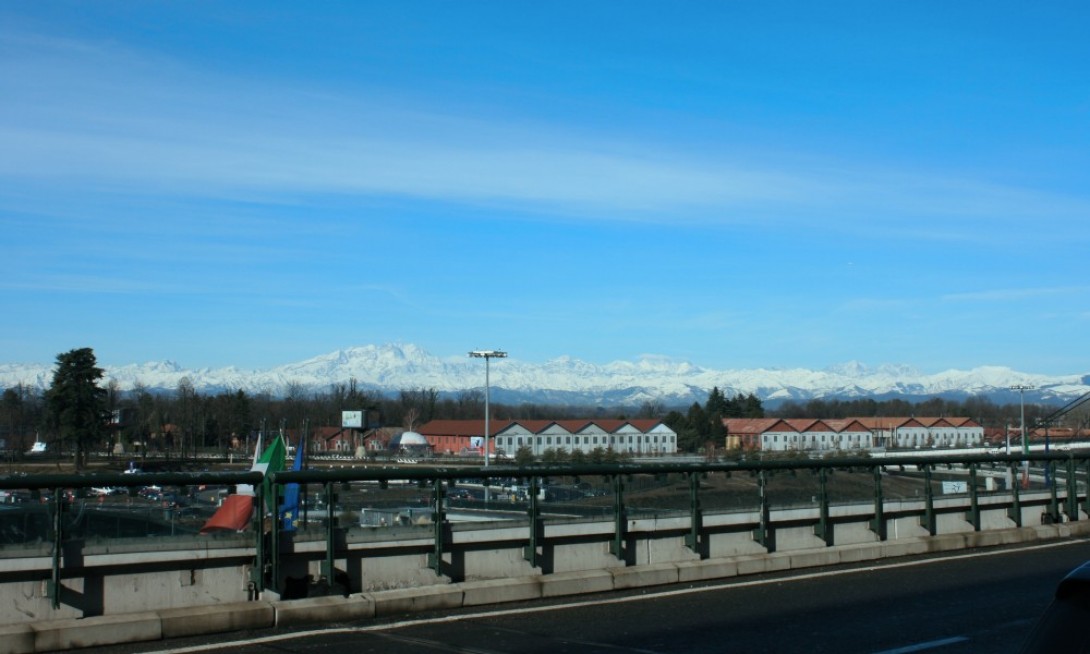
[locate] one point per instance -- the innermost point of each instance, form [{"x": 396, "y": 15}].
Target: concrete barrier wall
[
  {"x": 142, "y": 626},
  {"x": 109, "y": 579}
]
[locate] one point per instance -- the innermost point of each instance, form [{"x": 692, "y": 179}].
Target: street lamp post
[
  {"x": 487, "y": 355},
  {"x": 1022, "y": 388}
]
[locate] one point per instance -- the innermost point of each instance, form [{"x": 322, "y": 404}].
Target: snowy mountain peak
[
  {"x": 848, "y": 369},
  {"x": 393, "y": 367}
]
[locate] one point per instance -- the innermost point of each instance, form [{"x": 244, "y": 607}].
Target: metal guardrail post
[
  {"x": 929, "y": 520},
  {"x": 274, "y": 539},
  {"x": 1086, "y": 500},
  {"x": 1054, "y": 497},
  {"x": 438, "y": 522},
  {"x": 878, "y": 522},
  {"x": 261, "y": 556},
  {"x": 824, "y": 528},
  {"x": 58, "y": 543},
  {"x": 620, "y": 520},
  {"x": 1015, "y": 510},
  {"x": 1072, "y": 490},
  {"x": 533, "y": 511},
  {"x": 693, "y": 539},
  {"x": 974, "y": 498},
  {"x": 328, "y": 565},
  {"x": 763, "y": 534}
]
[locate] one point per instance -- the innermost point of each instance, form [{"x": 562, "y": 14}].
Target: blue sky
[{"x": 735, "y": 184}]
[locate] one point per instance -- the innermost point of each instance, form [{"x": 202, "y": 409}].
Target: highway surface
[{"x": 982, "y": 601}]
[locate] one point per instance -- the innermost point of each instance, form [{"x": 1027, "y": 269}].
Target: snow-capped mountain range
[{"x": 393, "y": 367}]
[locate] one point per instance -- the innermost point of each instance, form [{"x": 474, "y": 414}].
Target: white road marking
[
  {"x": 920, "y": 647},
  {"x": 614, "y": 600}
]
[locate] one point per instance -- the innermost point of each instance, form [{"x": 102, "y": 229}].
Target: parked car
[{"x": 1062, "y": 628}]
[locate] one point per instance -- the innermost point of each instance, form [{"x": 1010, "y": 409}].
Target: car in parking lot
[{"x": 1062, "y": 629}]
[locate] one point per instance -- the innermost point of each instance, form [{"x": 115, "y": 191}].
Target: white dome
[{"x": 412, "y": 439}]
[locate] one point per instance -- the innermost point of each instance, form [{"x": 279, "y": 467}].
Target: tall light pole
[
  {"x": 487, "y": 355},
  {"x": 1022, "y": 388}
]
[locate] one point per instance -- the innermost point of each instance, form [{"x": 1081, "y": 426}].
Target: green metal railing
[
  {"x": 435, "y": 484},
  {"x": 59, "y": 505},
  {"x": 696, "y": 535}
]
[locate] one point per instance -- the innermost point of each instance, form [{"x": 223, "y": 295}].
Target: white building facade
[
  {"x": 851, "y": 434},
  {"x": 634, "y": 437}
]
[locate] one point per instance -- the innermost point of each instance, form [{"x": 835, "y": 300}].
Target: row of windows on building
[
  {"x": 630, "y": 443},
  {"x": 853, "y": 441},
  {"x": 520, "y": 441},
  {"x": 917, "y": 439},
  {"x": 848, "y": 441}
]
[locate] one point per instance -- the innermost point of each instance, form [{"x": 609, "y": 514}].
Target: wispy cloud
[
  {"x": 93, "y": 284},
  {"x": 94, "y": 115},
  {"x": 1013, "y": 294},
  {"x": 873, "y": 304}
]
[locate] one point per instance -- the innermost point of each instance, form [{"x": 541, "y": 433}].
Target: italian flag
[{"x": 272, "y": 460}]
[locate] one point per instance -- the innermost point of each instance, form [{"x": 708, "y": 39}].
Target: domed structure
[{"x": 413, "y": 439}]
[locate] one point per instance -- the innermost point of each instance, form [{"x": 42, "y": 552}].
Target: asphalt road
[{"x": 970, "y": 602}]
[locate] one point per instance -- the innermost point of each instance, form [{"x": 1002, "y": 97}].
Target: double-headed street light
[
  {"x": 487, "y": 355},
  {"x": 1022, "y": 388}
]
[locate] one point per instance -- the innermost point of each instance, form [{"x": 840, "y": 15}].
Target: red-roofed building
[
  {"x": 919, "y": 433},
  {"x": 638, "y": 437},
  {"x": 809, "y": 434}
]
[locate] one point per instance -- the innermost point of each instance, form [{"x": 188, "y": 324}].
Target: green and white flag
[{"x": 271, "y": 460}]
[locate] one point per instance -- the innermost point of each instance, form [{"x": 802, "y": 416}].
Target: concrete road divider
[
  {"x": 576, "y": 583},
  {"x": 411, "y": 600},
  {"x": 498, "y": 591},
  {"x": 96, "y": 631},
  {"x": 656, "y": 574},
  {"x": 315, "y": 610},
  {"x": 17, "y": 639},
  {"x": 218, "y": 618}
]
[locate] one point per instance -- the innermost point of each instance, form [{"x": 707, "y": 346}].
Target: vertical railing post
[
  {"x": 329, "y": 564},
  {"x": 878, "y": 523},
  {"x": 1015, "y": 510},
  {"x": 438, "y": 523},
  {"x": 1072, "y": 489},
  {"x": 824, "y": 528},
  {"x": 1086, "y": 499},
  {"x": 763, "y": 534},
  {"x": 261, "y": 556},
  {"x": 693, "y": 539},
  {"x": 274, "y": 535},
  {"x": 58, "y": 544},
  {"x": 974, "y": 498},
  {"x": 1054, "y": 497},
  {"x": 533, "y": 512},
  {"x": 930, "y": 522},
  {"x": 620, "y": 520}
]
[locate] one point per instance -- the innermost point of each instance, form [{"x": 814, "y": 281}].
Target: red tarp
[{"x": 233, "y": 515}]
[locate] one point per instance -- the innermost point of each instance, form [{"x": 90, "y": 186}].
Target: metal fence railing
[{"x": 41, "y": 513}]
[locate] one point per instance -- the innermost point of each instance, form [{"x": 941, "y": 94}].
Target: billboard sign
[
  {"x": 955, "y": 487},
  {"x": 352, "y": 419}
]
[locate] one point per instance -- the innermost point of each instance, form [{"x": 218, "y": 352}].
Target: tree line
[
  {"x": 84, "y": 412},
  {"x": 978, "y": 407}
]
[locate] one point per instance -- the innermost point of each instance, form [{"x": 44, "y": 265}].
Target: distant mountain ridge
[{"x": 392, "y": 367}]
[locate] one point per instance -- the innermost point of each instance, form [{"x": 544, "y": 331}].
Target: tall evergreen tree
[
  {"x": 715, "y": 409},
  {"x": 717, "y": 403},
  {"x": 77, "y": 404}
]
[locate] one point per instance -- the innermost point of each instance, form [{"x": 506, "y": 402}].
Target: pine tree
[{"x": 77, "y": 405}]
